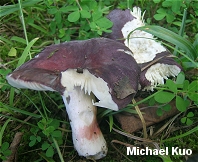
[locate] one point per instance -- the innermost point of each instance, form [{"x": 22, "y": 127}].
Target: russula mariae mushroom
[
  {"x": 81, "y": 71},
  {"x": 155, "y": 59}
]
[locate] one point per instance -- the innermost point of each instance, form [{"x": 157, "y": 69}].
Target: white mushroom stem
[{"x": 87, "y": 138}]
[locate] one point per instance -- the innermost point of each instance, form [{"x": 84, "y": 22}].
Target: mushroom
[
  {"x": 156, "y": 61},
  {"x": 95, "y": 72}
]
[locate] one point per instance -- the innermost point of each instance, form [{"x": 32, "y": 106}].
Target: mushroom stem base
[{"x": 87, "y": 138}]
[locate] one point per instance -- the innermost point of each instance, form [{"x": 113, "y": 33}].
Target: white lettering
[
  {"x": 188, "y": 152},
  {"x": 174, "y": 150},
  {"x": 131, "y": 151}
]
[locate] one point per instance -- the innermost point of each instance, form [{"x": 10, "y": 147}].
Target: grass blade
[{"x": 26, "y": 52}]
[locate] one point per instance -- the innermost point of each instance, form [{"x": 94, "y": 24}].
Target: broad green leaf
[
  {"x": 159, "y": 111},
  {"x": 166, "y": 107},
  {"x": 4, "y": 146},
  {"x": 56, "y": 133},
  {"x": 45, "y": 145},
  {"x": 161, "y": 11},
  {"x": 96, "y": 15},
  {"x": 164, "y": 97},
  {"x": 32, "y": 142},
  {"x": 176, "y": 6},
  {"x": 193, "y": 90},
  {"x": 85, "y": 14},
  {"x": 190, "y": 114},
  {"x": 171, "y": 85},
  {"x": 181, "y": 104},
  {"x": 104, "y": 23},
  {"x": 170, "y": 18},
  {"x": 185, "y": 85},
  {"x": 7, "y": 152},
  {"x": 12, "y": 52},
  {"x": 180, "y": 78},
  {"x": 58, "y": 17},
  {"x": 159, "y": 16},
  {"x": 183, "y": 120},
  {"x": 74, "y": 16},
  {"x": 171, "y": 37},
  {"x": 50, "y": 152}
]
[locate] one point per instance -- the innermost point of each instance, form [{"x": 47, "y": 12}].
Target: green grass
[{"x": 42, "y": 118}]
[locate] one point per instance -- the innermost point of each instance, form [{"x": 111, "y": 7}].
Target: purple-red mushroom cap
[
  {"x": 145, "y": 49},
  {"x": 101, "y": 66}
]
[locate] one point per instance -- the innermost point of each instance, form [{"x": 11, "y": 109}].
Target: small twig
[{"x": 14, "y": 147}]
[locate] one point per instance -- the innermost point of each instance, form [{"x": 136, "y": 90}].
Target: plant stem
[{"x": 58, "y": 150}]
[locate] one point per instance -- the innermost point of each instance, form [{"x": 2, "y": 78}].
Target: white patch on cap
[
  {"x": 158, "y": 72},
  {"x": 89, "y": 83},
  {"x": 18, "y": 83},
  {"x": 142, "y": 44},
  {"x": 127, "y": 52}
]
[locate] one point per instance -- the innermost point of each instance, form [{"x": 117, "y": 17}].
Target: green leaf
[
  {"x": 166, "y": 107},
  {"x": 85, "y": 14},
  {"x": 170, "y": 18},
  {"x": 180, "y": 78},
  {"x": 171, "y": 37},
  {"x": 176, "y": 6},
  {"x": 159, "y": 111},
  {"x": 189, "y": 122},
  {"x": 185, "y": 85},
  {"x": 96, "y": 15},
  {"x": 38, "y": 138},
  {"x": 181, "y": 104},
  {"x": 104, "y": 23},
  {"x": 32, "y": 142},
  {"x": 4, "y": 146},
  {"x": 161, "y": 11},
  {"x": 45, "y": 145},
  {"x": 183, "y": 120},
  {"x": 56, "y": 133},
  {"x": 159, "y": 16},
  {"x": 12, "y": 52},
  {"x": 74, "y": 16},
  {"x": 190, "y": 114},
  {"x": 50, "y": 152},
  {"x": 164, "y": 97},
  {"x": 58, "y": 17},
  {"x": 7, "y": 152},
  {"x": 171, "y": 85},
  {"x": 193, "y": 90}
]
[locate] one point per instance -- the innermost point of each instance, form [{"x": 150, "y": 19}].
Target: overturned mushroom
[
  {"x": 155, "y": 60},
  {"x": 81, "y": 71}
]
